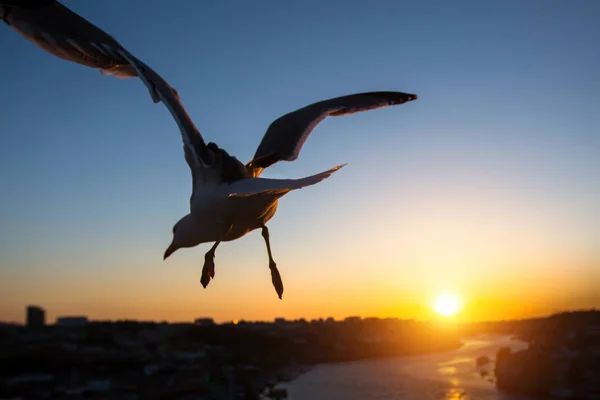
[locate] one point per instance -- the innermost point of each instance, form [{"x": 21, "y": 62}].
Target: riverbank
[{"x": 562, "y": 360}]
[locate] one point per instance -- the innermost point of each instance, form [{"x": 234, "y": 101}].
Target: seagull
[{"x": 229, "y": 198}]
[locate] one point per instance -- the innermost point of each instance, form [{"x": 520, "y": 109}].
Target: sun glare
[{"x": 447, "y": 304}]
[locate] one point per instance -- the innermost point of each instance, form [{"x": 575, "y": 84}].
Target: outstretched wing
[
  {"x": 58, "y": 30},
  {"x": 275, "y": 187},
  {"x": 286, "y": 135},
  {"x": 67, "y": 35}
]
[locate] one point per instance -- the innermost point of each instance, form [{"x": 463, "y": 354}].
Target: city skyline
[
  {"x": 486, "y": 186},
  {"x": 35, "y": 316}
]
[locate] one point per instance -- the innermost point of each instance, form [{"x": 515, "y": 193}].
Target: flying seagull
[{"x": 229, "y": 198}]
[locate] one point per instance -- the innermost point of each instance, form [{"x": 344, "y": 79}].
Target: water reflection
[
  {"x": 447, "y": 370},
  {"x": 456, "y": 394},
  {"x": 445, "y": 376}
]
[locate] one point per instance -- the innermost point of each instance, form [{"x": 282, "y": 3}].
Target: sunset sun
[{"x": 447, "y": 304}]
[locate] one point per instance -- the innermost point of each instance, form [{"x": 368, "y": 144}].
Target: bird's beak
[{"x": 170, "y": 250}]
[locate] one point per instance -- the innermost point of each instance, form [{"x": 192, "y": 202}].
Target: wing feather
[
  {"x": 67, "y": 35},
  {"x": 255, "y": 186},
  {"x": 286, "y": 135}
]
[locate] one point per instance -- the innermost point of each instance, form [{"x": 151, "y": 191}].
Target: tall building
[{"x": 35, "y": 317}]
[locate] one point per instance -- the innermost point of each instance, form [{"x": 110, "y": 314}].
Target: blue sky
[{"x": 497, "y": 156}]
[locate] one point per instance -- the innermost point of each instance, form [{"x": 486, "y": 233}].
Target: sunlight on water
[
  {"x": 456, "y": 394},
  {"x": 445, "y": 376},
  {"x": 447, "y": 370}
]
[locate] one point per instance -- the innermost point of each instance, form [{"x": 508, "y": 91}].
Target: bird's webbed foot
[
  {"x": 276, "y": 278},
  {"x": 208, "y": 270}
]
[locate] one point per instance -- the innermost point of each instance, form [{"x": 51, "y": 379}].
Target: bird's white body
[
  {"x": 228, "y": 211},
  {"x": 218, "y": 216},
  {"x": 233, "y": 217}
]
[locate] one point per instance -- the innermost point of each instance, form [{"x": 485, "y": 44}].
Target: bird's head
[{"x": 183, "y": 236}]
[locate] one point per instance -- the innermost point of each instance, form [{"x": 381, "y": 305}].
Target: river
[{"x": 442, "y": 376}]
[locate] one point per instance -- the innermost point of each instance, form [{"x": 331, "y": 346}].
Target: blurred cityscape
[{"x": 79, "y": 358}]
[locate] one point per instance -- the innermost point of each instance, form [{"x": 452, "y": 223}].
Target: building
[
  {"x": 205, "y": 321},
  {"x": 71, "y": 321},
  {"x": 35, "y": 317}
]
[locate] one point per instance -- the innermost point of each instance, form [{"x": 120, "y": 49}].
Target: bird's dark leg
[
  {"x": 275, "y": 276},
  {"x": 208, "y": 270}
]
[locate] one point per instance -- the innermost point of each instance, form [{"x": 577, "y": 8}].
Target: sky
[{"x": 486, "y": 186}]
